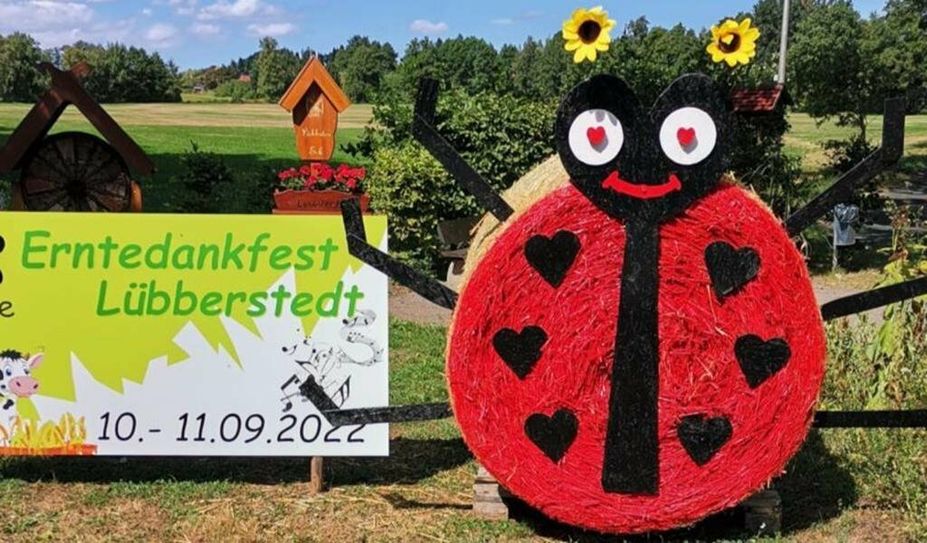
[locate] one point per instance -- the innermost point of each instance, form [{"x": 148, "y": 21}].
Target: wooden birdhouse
[
  {"x": 765, "y": 100},
  {"x": 315, "y": 100},
  {"x": 73, "y": 171}
]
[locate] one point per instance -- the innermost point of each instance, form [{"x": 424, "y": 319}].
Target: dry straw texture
[{"x": 699, "y": 373}]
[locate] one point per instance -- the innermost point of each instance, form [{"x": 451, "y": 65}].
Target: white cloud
[
  {"x": 180, "y": 7},
  {"x": 146, "y": 12},
  {"x": 161, "y": 34},
  {"x": 58, "y": 23},
  {"x": 205, "y": 29},
  {"x": 529, "y": 15},
  {"x": 43, "y": 15},
  {"x": 224, "y": 9},
  {"x": 271, "y": 29},
  {"x": 424, "y": 26}
]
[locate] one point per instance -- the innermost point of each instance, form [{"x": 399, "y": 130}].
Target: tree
[
  {"x": 20, "y": 80},
  {"x": 361, "y": 65},
  {"x": 458, "y": 63},
  {"x": 650, "y": 60},
  {"x": 125, "y": 74},
  {"x": 276, "y": 68},
  {"x": 832, "y": 78},
  {"x": 896, "y": 47}
]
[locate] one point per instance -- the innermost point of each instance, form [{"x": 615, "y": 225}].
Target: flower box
[
  {"x": 319, "y": 189},
  {"x": 321, "y": 202}
]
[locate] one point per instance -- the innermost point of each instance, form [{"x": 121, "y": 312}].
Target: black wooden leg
[
  {"x": 873, "y": 299},
  {"x": 406, "y": 276},
  {"x": 843, "y": 189}
]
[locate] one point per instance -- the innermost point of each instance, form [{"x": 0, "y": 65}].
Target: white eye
[
  {"x": 688, "y": 136},
  {"x": 596, "y": 137}
]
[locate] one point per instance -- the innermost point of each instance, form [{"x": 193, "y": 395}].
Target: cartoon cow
[{"x": 15, "y": 379}]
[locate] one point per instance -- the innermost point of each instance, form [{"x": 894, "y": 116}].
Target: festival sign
[{"x": 188, "y": 335}]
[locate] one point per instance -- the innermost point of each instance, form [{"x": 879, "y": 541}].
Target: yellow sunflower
[
  {"x": 733, "y": 42},
  {"x": 587, "y": 33}
]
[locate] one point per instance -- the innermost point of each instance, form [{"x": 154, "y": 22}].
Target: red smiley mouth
[{"x": 643, "y": 192}]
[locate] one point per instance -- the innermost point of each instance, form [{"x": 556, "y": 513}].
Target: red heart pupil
[
  {"x": 686, "y": 136},
  {"x": 596, "y": 135}
]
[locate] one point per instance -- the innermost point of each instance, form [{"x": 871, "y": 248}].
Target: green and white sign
[{"x": 188, "y": 335}]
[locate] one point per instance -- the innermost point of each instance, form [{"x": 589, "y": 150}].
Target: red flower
[
  {"x": 287, "y": 174},
  {"x": 326, "y": 171},
  {"x": 305, "y": 171}
]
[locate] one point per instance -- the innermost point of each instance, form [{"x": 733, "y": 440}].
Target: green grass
[
  {"x": 203, "y": 98},
  {"x": 843, "y": 485},
  {"x": 806, "y": 138}
]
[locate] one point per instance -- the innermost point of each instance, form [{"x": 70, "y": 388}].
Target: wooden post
[
  {"x": 487, "y": 497},
  {"x": 314, "y": 99},
  {"x": 763, "y": 513},
  {"x": 316, "y": 474}
]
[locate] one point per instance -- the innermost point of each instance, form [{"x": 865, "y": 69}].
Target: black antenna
[{"x": 424, "y": 131}]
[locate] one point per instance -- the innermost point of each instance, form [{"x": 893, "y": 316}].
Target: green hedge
[{"x": 500, "y": 136}]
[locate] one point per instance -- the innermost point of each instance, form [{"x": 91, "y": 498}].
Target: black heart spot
[
  {"x": 553, "y": 257},
  {"x": 703, "y": 436},
  {"x": 730, "y": 269},
  {"x": 759, "y": 360},
  {"x": 553, "y": 435},
  {"x": 520, "y": 351}
]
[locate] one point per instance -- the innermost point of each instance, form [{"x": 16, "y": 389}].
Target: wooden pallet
[
  {"x": 487, "y": 497},
  {"x": 762, "y": 511}
]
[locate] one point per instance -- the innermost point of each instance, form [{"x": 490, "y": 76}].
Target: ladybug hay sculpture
[{"x": 641, "y": 348}]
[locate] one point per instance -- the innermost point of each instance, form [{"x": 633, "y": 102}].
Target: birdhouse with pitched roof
[{"x": 315, "y": 100}]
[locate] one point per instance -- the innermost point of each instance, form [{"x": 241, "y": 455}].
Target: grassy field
[
  {"x": 422, "y": 492},
  {"x": 806, "y": 137},
  {"x": 254, "y": 139}
]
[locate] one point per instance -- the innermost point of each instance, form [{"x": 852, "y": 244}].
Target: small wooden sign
[{"x": 315, "y": 100}]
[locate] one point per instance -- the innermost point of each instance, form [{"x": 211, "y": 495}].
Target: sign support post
[{"x": 315, "y": 100}]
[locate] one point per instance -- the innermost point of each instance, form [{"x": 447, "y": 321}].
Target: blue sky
[{"x": 198, "y": 33}]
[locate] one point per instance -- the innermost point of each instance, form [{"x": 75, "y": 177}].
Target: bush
[
  {"x": 251, "y": 193},
  {"x": 237, "y": 91},
  {"x": 880, "y": 365},
  {"x": 417, "y": 194},
  {"x": 204, "y": 182},
  {"x": 502, "y": 137},
  {"x": 845, "y": 154},
  {"x": 759, "y": 161},
  {"x": 207, "y": 184}
]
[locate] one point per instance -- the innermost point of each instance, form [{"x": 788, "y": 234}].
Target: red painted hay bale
[{"x": 698, "y": 369}]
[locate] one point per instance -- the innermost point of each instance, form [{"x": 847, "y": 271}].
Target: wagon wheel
[{"x": 73, "y": 171}]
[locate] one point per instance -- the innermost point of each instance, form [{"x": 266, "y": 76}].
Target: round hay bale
[
  {"x": 530, "y": 358},
  {"x": 536, "y": 184}
]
